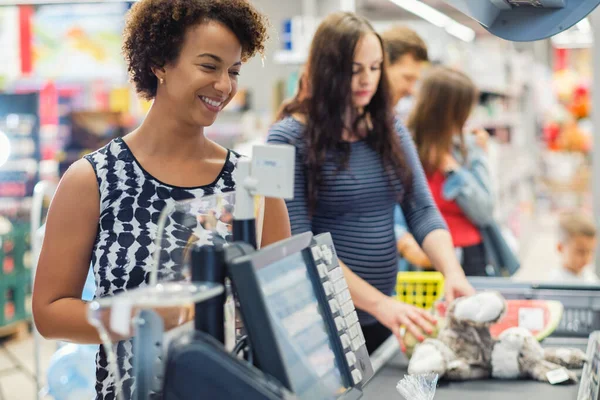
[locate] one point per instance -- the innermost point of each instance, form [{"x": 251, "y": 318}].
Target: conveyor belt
[
  {"x": 383, "y": 384},
  {"x": 581, "y": 318},
  {"x": 582, "y": 302}
]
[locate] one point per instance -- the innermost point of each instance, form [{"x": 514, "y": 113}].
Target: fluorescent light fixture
[
  {"x": 584, "y": 26},
  {"x": 579, "y": 36},
  {"x": 437, "y": 18},
  {"x": 572, "y": 42},
  {"x": 460, "y": 31},
  {"x": 4, "y": 148},
  {"x": 573, "y": 39}
]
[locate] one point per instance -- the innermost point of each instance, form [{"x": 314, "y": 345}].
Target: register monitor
[{"x": 300, "y": 320}]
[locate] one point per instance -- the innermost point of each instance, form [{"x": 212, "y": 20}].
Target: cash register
[{"x": 301, "y": 325}]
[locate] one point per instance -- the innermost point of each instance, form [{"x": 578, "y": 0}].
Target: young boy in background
[{"x": 577, "y": 244}]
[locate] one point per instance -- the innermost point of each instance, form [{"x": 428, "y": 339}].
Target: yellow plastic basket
[{"x": 421, "y": 289}]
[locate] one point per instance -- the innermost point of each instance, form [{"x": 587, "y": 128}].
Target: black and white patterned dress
[{"x": 131, "y": 201}]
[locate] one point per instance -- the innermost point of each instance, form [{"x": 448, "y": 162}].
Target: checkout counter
[
  {"x": 303, "y": 338},
  {"x": 306, "y": 343},
  {"x": 581, "y": 318}
]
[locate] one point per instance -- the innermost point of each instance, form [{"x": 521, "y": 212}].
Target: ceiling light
[
  {"x": 584, "y": 25},
  {"x": 437, "y": 18}
]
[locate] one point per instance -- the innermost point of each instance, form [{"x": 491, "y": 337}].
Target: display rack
[
  {"x": 506, "y": 112},
  {"x": 19, "y": 122}
]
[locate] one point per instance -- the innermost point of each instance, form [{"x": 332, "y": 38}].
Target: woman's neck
[
  {"x": 162, "y": 135},
  {"x": 352, "y": 131}
]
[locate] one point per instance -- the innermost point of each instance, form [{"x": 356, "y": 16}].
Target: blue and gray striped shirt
[{"x": 356, "y": 205}]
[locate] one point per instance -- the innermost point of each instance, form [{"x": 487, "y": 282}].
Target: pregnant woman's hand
[
  {"x": 457, "y": 285},
  {"x": 394, "y": 315}
]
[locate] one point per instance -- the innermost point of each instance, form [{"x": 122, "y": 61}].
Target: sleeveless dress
[{"x": 131, "y": 201}]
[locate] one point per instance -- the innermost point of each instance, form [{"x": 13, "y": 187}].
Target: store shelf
[
  {"x": 287, "y": 57},
  {"x": 507, "y": 121}
]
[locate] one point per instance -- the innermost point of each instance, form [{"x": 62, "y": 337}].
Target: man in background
[{"x": 407, "y": 55}]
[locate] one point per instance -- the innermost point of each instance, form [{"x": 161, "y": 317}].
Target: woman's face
[
  {"x": 204, "y": 79},
  {"x": 366, "y": 69}
]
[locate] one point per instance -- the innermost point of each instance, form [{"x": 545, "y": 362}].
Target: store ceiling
[{"x": 386, "y": 10}]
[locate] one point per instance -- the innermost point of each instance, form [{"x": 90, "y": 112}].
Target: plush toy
[{"x": 465, "y": 349}]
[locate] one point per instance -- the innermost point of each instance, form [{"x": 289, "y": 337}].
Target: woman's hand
[
  {"x": 457, "y": 285},
  {"x": 394, "y": 314},
  {"x": 449, "y": 163},
  {"x": 438, "y": 247},
  {"x": 412, "y": 252},
  {"x": 482, "y": 137}
]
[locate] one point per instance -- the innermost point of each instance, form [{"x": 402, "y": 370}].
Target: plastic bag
[{"x": 418, "y": 387}]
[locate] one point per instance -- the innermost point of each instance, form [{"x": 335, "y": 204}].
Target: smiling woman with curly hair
[{"x": 186, "y": 56}]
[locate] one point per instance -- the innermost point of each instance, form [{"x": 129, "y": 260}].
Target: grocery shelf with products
[{"x": 19, "y": 128}]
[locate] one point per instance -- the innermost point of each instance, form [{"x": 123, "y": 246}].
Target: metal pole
[
  {"x": 595, "y": 22},
  {"x": 208, "y": 265}
]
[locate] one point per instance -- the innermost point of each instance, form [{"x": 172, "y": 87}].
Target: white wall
[{"x": 261, "y": 79}]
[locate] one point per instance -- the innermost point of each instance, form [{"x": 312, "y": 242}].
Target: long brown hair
[
  {"x": 443, "y": 105},
  {"x": 324, "y": 99}
]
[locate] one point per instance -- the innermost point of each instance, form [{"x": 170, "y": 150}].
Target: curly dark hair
[{"x": 155, "y": 31}]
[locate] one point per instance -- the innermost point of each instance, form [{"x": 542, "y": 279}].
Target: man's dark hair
[{"x": 401, "y": 40}]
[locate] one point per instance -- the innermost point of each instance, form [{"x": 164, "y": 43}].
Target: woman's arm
[
  {"x": 428, "y": 227},
  {"x": 440, "y": 250},
  {"x": 276, "y": 224},
  {"x": 409, "y": 249},
  {"x": 407, "y": 246},
  {"x": 470, "y": 186},
  {"x": 71, "y": 228},
  {"x": 64, "y": 262}
]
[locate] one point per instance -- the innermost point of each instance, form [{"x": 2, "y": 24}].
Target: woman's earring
[{"x": 162, "y": 81}]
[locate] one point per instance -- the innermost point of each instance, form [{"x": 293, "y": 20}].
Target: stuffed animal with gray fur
[{"x": 465, "y": 349}]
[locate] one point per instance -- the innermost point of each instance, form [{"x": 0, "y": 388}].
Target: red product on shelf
[
  {"x": 8, "y": 264},
  {"x": 9, "y": 306},
  {"x": 13, "y": 189}
]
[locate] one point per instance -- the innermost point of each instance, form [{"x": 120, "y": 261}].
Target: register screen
[{"x": 300, "y": 326}]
